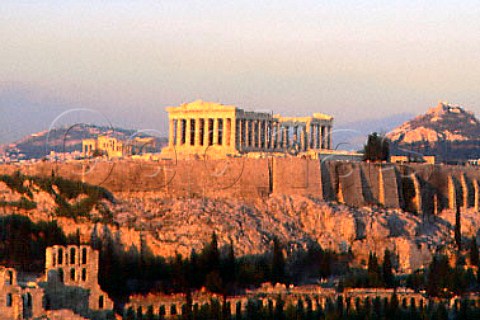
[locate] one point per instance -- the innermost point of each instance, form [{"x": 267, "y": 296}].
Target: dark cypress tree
[
  {"x": 377, "y": 148},
  {"x": 229, "y": 270},
  {"x": 279, "y": 306},
  {"x": 474, "y": 252},
  {"x": 374, "y": 276},
  {"x": 458, "y": 229},
  {"x": 213, "y": 256},
  {"x": 278, "y": 263},
  {"x": 387, "y": 273},
  {"x": 195, "y": 277}
]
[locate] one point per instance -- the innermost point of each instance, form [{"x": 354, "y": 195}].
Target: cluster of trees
[
  {"x": 23, "y": 243},
  {"x": 217, "y": 269},
  {"x": 304, "y": 310},
  {"x": 442, "y": 280},
  {"x": 376, "y": 275}
]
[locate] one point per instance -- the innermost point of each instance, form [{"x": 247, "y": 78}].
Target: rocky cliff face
[
  {"x": 182, "y": 225},
  {"x": 179, "y": 225},
  {"x": 447, "y": 130}
]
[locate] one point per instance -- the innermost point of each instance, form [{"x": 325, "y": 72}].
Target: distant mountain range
[
  {"x": 449, "y": 131},
  {"x": 65, "y": 139}
]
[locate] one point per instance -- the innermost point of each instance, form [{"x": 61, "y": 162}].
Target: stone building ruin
[
  {"x": 70, "y": 282},
  {"x": 18, "y": 300},
  {"x": 204, "y": 128},
  {"x": 111, "y": 147},
  {"x": 76, "y": 266}
]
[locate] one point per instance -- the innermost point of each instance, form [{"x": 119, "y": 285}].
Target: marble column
[
  {"x": 303, "y": 137},
  {"x": 248, "y": 133},
  {"x": 312, "y": 136},
  {"x": 238, "y": 134},
  {"x": 258, "y": 139},
  {"x": 197, "y": 132},
  {"x": 329, "y": 138},
  {"x": 171, "y": 133},
  {"x": 266, "y": 141},
  {"x": 206, "y": 132},
  {"x": 188, "y": 132},
  {"x": 215, "y": 131},
  {"x": 319, "y": 137},
  {"x": 270, "y": 135},
  {"x": 324, "y": 137},
  {"x": 225, "y": 133},
  {"x": 179, "y": 132},
  {"x": 278, "y": 139}
]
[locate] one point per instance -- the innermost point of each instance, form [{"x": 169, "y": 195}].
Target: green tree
[
  {"x": 377, "y": 148},
  {"x": 278, "y": 262},
  {"x": 228, "y": 272},
  {"x": 440, "y": 276},
  {"x": 387, "y": 272},
  {"x": 474, "y": 252},
  {"x": 374, "y": 275}
]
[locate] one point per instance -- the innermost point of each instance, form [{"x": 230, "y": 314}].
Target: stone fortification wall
[
  {"x": 297, "y": 176},
  {"x": 414, "y": 187}
]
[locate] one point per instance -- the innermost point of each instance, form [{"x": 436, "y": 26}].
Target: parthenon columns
[
  {"x": 248, "y": 134},
  {"x": 197, "y": 131},
  {"x": 171, "y": 132},
  {"x": 203, "y": 132}
]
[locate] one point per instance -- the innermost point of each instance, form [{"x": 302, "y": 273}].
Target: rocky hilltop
[
  {"x": 171, "y": 224},
  {"x": 449, "y": 131},
  {"x": 64, "y": 139}
]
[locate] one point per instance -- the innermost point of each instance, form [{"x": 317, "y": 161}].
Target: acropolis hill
[
  {"x": 263, "y": 183},
  {"x": 409, "y": 209}
]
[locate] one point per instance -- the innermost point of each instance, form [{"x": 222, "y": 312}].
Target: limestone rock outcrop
[{"x": 446, "y": 130}]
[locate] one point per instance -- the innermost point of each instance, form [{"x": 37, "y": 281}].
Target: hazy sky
[{"x": 129, "y": 59}]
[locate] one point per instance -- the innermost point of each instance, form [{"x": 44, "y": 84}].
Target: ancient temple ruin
[{"x": 206, "y": 129}]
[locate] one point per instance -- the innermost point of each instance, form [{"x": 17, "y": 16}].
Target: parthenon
[{"x": 213, "y": 130}]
